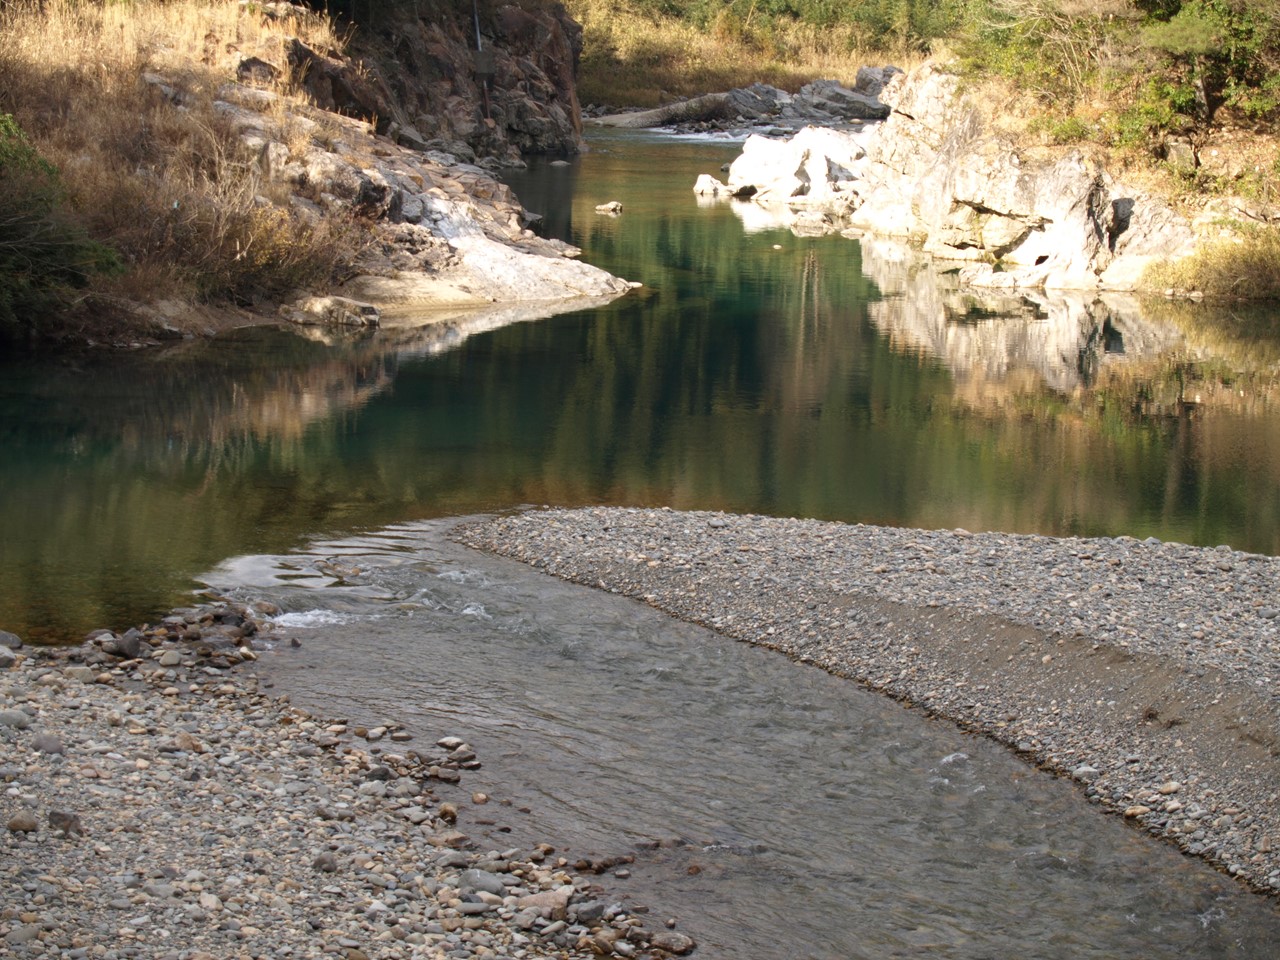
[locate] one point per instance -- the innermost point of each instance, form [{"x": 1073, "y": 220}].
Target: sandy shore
[
  {"x": 1147, "y": 671},
  {"x": 158, "y": 802}
]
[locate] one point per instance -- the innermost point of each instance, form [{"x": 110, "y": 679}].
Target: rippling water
[{"x": 799, "y": 815}]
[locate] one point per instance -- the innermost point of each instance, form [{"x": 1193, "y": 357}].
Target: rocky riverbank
[
  {"x": 158, "y": 801},
  {"x": 1149, "y": 672},
  {"x": 941, "y": 172}
]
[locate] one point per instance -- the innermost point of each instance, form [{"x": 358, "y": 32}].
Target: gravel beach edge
[
  {"x": 157, "y": 801},
  {"x": 1148, "y": 672}
]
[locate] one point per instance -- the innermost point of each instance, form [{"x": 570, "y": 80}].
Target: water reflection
[
  {"x": 1060, "y": 341},
  {"x": 755, "y": 372}
]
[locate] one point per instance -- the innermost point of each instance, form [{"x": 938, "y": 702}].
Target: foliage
[
  {"x": 1199, "y": 54},
  {"x": 641, "y": 52},
  {"x": 1246, "y": 266},
  {"x": 893, "y": 22},
  {"x": 44, "y": 253}
]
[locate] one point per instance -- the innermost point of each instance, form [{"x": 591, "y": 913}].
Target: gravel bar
[
  {"x": 1149, "y": 672},
  {"x": 158, "y": 802}
]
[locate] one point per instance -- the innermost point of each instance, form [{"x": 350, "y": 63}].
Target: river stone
[
  {"x": 472, "y": 880},
  {"x": 24, "y": 821},
  {"x": 590, "y": 912},
  {"x": 47, "y": 743},
  {"x": 672, "y": 942},
  {"x": 7, "y": 658},
  {"x": 552, "y": 904},
  {"x": 81, "y": 673},
  {"x": 10, "y": 640},
  {"x": 128, "y": 644},
  {"x": 23, "y": 933},
  {"x": 68, "y": 823},
  {"x": 18, "y": 719}
]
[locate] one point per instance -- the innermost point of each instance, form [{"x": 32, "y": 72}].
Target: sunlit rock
[{"x": 936, "y": 173}]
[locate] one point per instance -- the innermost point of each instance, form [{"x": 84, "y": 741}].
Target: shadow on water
[{"x": 757, "y": 371}]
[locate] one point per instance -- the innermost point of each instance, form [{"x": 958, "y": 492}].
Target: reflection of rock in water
[{"x": 1061, "y": 338}]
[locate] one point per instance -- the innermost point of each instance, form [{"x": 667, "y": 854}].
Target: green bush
[
  {"x": 43, "y": 253},
  {"x": 1204, "y": 53},
  {"x": 1070, "y": 129}
]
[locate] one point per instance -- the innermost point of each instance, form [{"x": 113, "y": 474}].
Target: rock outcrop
[
  {"x": 935, "y": 173},
  {"x": 394, "y": 143},
  {"x": 441, "y": 232},
  {"x": 514, "y": 95}
]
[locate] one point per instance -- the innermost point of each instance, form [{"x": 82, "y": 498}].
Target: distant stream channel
[{"x": 797, "y": 816}]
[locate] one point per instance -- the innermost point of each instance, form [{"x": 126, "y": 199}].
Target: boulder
[
  {"x": 935, "y": 172},
  {"x": 833, "y": 98},
  {"x": 757, "y": 102},
  {"x": 338, "y": 311},
  {"x": 815, "y": 168},
  {"x": 708, "y": 186},
  {"x": 871, "y": 81}
]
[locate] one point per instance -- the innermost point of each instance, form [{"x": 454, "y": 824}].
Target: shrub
[
  {"x": 1246, "y": 266},
  {"x": 44, "y": 253},
  {"x": 172, "y": 190},
  {"x": 1071, "y": 129}
]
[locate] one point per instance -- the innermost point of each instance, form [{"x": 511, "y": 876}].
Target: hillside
[
  {"x": 1179, "y": 97},
  {"x": 170, "y": 166},
  {"x": 139, "y": 199}
]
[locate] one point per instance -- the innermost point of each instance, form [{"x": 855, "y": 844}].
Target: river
[{"x": 757, "y": 371}]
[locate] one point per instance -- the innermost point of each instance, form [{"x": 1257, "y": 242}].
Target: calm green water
[{"x": 757, "y": 371}]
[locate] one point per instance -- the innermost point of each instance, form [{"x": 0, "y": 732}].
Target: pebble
[
  {"x": 1141, "y": 668},
  {"x": 18, "y": 719},
  {"x": 223, "y": 822},
  {"x": 24, "y": 821}
]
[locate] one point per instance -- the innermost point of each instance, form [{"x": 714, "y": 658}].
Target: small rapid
[{"x": 775, "y": 810}]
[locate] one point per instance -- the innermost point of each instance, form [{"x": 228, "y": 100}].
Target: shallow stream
[{"x": 796, "y": 815}]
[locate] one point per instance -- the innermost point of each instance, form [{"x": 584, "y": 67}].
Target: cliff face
[
  {"x": 938, "y": 173},
  {"x": 422, "y": 80}
]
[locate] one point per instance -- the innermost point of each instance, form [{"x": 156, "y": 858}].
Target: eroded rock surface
[{"x": 936, "y": 173}]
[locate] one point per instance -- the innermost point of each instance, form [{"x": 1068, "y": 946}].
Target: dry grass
[
  {"x": 1246, "y": 267},
  {"x": 171, "y": 190},
  {"x": 631, "y": 59}
]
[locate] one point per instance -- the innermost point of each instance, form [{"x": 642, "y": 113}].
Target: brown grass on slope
[{"x": 171, "y": 189}]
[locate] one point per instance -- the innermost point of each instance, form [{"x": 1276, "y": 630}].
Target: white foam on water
[{"x": 310, "y": 618}]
